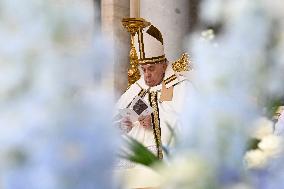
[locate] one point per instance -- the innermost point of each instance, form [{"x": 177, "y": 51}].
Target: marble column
[
  {"x": 112, "y": 12},
  {"x": 172, "y": 19}
]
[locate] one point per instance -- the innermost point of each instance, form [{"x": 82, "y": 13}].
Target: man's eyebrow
[{"x": 149, "y": 67}]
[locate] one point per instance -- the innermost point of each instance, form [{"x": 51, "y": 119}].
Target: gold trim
[
  {"x": 153, "y": 99},
  {"x": 141, "y": 44},
  {"x": 138, "y": 85},
  {"x": 143, "y": 93},
  {"x": 156, "y": 57},
  {"x": 171, "y": 78},
  {"x": 180, "y": 82},
  {"x": 134, "y": 24},
  {"x": 152, "y": 60}
]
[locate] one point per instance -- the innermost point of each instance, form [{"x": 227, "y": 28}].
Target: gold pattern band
[
  {"x": 153, "y": 99},
  {"x": 170, "y": 79},
  {"x": 172, "y": 76},
  {"x": 138, "y": 85},
  {"x": 152, "y": 60},
  {"x": 141, "y": 44},
  {"x": 180, "y": 82},
  {"x": 142, "y": 93}
]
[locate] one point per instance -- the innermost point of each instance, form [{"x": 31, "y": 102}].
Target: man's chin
[{"x": 150, "y": 84}]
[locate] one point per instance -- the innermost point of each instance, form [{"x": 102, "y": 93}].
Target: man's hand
[
  {"x": 126, "y": 124},
  {"x": 145, "y": 121}
]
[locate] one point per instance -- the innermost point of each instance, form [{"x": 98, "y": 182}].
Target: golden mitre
[{"x": 149, "y": 45}]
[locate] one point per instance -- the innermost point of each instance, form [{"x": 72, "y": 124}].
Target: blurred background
[{"x": 63, "y": 64}]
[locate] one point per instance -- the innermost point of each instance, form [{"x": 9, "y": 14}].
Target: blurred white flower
[
  {"x": 186, "y": 170},
  {"x": 56, "y": 132},
  {"x": 271, "y": 145},
  {"x": 262, "y": 128},
  {"x": 255, "y": 159},
  {"x": 208, "y": 34},
  {"x": 269, "y": 148},
  {"x": 233, "y": 79}
]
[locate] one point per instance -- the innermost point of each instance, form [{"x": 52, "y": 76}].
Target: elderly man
[{"x": 164, "y": 89}]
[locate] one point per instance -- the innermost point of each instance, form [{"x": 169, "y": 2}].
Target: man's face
[{"x": 153, "y": 73}]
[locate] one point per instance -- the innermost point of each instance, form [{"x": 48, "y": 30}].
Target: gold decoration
[
  {"x": 170, "y": 79},
  {"x": 133, "y": 25},
  {"x": 153, "y": 98},
  {"x": 182, "y": 64},
  {"x": 152, "y": 60}
]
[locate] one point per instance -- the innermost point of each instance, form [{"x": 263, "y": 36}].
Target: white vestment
[{"x": 168, "y": 114}]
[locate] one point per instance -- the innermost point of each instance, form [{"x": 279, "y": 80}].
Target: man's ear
[
  {"x": 140, "y": 70},
  {"x": 165, "y": 65}
]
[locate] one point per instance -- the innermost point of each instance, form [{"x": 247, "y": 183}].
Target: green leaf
[{"x": 138, "y": 153}]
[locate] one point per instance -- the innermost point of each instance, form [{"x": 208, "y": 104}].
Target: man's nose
[{"x": 147, "y": 74}]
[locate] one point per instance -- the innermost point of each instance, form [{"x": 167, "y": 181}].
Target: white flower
[
  {"x": 271, "y": 145},
  {"x": 182, "y": 172},
  {"x": 255, "y": 159},
  {"x": 140, "y": 175},
  {"x": 186, "y": 171},
  {"x": 208, "y": 34},
  {"x": 264, "y": 127}
]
